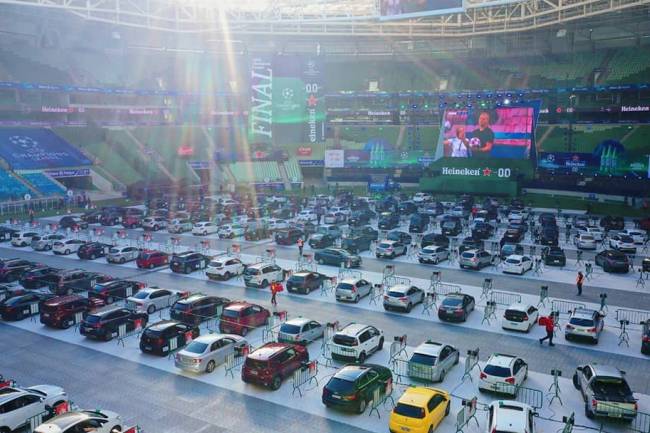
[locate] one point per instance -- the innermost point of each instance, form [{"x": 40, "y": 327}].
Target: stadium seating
[
  {"x": 629, "y": 65},
  {"x": 43, "y": 184},
  {"x": 257, "y": 171},
  {"x": 585, "y": 138},
  {"x": 293, "y": 170},
  {"x": 10, "y": 187}
]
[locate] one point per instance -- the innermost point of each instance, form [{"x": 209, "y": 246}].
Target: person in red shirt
[
  {"x": 580, "y": 279},
  {"x": 301, "y": 244},
  {"x": 549, "y": 326}
]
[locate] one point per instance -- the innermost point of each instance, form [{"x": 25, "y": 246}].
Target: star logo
[
  {"x": 312, "y": 100},
  {"x": 487, "y": 172}
]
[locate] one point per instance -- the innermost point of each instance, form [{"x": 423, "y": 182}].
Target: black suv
[
  {"x": 366, "y": 232},
  {"x": 116, "y": 290},
  {"x": 360, "y": 217},
  {"x": 76, "y": 280},
  {"x": 70, "y": 222},
  {"x": 356, "y": 244},
  {"x": 482, "y": 230},
  {"x": 188, "y": 261},
  {"x": 12, "y": 269},
  {"x": 6, "y": 232},
  {"x": 407, "y": 208},
  {"x": 418, "y": 223},
  {"x": 105, "y": 324},
  {"x": 320, "y": 240},
  {"x": 157, "y": 338},
  {"x": 451, "y": 227},
  {"x": 548, "y": 236},
  {"x": 553, "y": 256},
  {"x": 21, "y": 306},
  {"x": 92, "y": 217},
  {"x": 33, "y": 279},
  {"x": 93, "y": 250},
  {"x": 388, "y": 221},
  {"x": 197, "y": 308},
  {"x": 434, "y": 239}
]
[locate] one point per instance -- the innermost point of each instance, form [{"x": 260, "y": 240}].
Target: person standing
[
  {"x": 549, "y": 326},
  {"x": 580, "y": 279},
  {"x": 301, "y": 244},
  {"x": 274, "y": 292}
]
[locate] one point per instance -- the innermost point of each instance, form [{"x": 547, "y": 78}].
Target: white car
[
  {"x": 151, "y": 299},
  {"x": 503, "y": 374},
  {"x": 224, "y": 268},
  {"x": 230, "y": 231},
  {"x": 356, "y": 342},
  {"x": 433, "y": 254},
  {"x": 207, "y": 352},
  {"x": 510, "y": 416},
  {"x": 96, "y": 421},
  {"x": 421, "y": 197},
  {"x": 431, "y": 361},
  {"x": 300, "y": 331},
  {"x": 515, "y": 216},
  {"x": 205, "y": 228},
  {"x": 584, "y": 241},
  {"x": 276, "y": 199},
  {"x": 22, "y": 239},
  {"x": 18, "y": 405},
  {"x": 352, "y": 289},
  {"x": 179, "y": 226},
  {"x": 623, "y": 243},
  {"x": 122, "y": 254},
  {"x": 67, "y": 246},
  {"x": 262, "y": 274},
  {"x": 45, "y": 242},
  {"x": 639, "y": 236},
  {"x": 520, "y": 317},
  {"x": 277, "y": 224},
  {"x": 307, "y": 215},
  {"x": 517, "y": 264},
  {"x": 595, "y": 232},
  {"x": 330, "y": 218},
  {"x": 344, "y": 210},
  {"x": 458, "y": 211},
  {"x": 403, "y": 297},
  {"x": 154, "y": 223}
]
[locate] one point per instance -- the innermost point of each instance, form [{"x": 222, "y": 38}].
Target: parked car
[
  {"x": 388, "y": 221},
  {"x": 511, "y": 416},
  {"x": 390, "y": 249},
  {"x": 188, "y": 262},
  {"x": 231, "y": 231},
  {"x": 224, "y": 268},
  {"x": 34, "y": 277},
  {"x": 520, "y": 317},
  {"x": 613, "y": 261},
  {"x": 104, "y": 324},
  {"x": 605, "y": 392},
  {"x": 207, "y": 352},
  {"x": 595, "y": 232},
  {"x": 549, "y": 236},
  {"x": 451, "y": 227},
  {"x": 517, "y": 264},
  {"x": 434, "y": 239},
  {"x": 553, "y": 256},
  {"x": 240, "y": 317},
  {"x": 403, "y": 297},
  {"x": 152, "y": 299},
  {"x": 96, "y": 421},
  {"x": 337, "y": 257},
  {"x": 22, "y": 239},
  {"x": 164, "y": 337},
  {"x": 122, "y": 254},
  {"x": 197, "y": 308},
  {"x": 91, "y": 217},
  {"x": 19, "y": 405},
  {"x": 288, "y": 236},
  {"x": 305, "y": 282},
  {"x": 45, "y": 242},
  {"x": 92, "y": 250},
  {"x": 257, "y": 233},
  {"x": 6, "y": 233},
  {"x": 13, "y": 269},
  {"x": 470, "y": 243},
  {"x": 584, "y": 241},
  {"x": 503, "y": 374},
  {"x": 154, "y": 223},
  {"x": 300, "y": 331},
  {"x": 355, "y": 244},
  {"x": 332, "y": 230},
  {"x": 20, "y": 306},
  {"x": 263, "y": 274},
  {"x": 638, "y": 236},
  {"x": 513, "y": 236},
  {"x": 319, "y": 241},
  {"x": 114, "y": 291},
  {"x": 151, "y": 259},
  {"x": 585, "y": 324},
  {"x": 61, "y": 312},
  {"x": 353, "y": 387},
  {"x": 69, "y": 281},
  {"x": 272, "y": 363},
  {"x": 482, "y": 230},
  {"x": 178, "y": 225},
  {"x": 366, "y": 232},
  {"x": 67, "y": 246},
  {"x": 433, "y": 254},
  {"x": 510, "y": 249},
  {"x": 622, "y": 243},
  {"x": 420, "y": 410},
  {"x": 456, "y": 307},
  {"x": 431, "y": 361},
  {"x": 475, "y": 259},
  {"x": 204, "y": 228},
  {"x": 418, "y": 223},
  {"x": 612, "y": 223},
  {"x": 356, "y": 342},
  {"x": 352, "y": 289}
]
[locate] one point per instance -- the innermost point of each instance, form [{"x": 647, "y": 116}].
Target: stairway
[
  {"x": 285, "y": 176},
  {"x": 143, "y": 153}
]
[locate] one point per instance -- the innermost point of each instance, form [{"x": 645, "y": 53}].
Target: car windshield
[
  {"x": 114, "y": 251},
  {"x": 385, "y": 245},
  {"x": 251, "y": 271},
  {"x": 297, "y": 278},
  {"x": 421, "y": 358},
  {"x": 494, "y": 370},
  {"x": 196, "y": 347},
  {"x": 409, "y": 411},
  {"x": 345, "y": 286},
  {"x": 287, "y": 328},
  {"x": 340, "y": 386},
  {"x": 256, "y": 364},
  {"x": 578, "y": 321},
  {"x": 468, "y": 255},
  {"x": 92, "y": 318}
]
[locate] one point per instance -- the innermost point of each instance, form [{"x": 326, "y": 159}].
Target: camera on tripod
[
  {"x": 624, "y": 322},
  {"x": 555, "y": 372}
]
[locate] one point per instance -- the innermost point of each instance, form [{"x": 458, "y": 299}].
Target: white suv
[
  {"x": 152, "y": 299},
  {"x": 520, "y": 317},
  {"x": 122, "y": 254},
  {"x": 262, "y": 274},
  {"x": 154, "y": 223},
  {"x": 307, "y": 215},
  {"x": 637, "y": 235},
  {"x": 205, "y": 228},
  {"x": 67, "y": 246},
  {"x": 224, "y": 268},
  {"x": 503, "y": 374},
  {"x": 18, "y": 405},
  {"x": 230, "y": 231},
  {"x": 22, "y": 239},
  {"x": 356, "y": 342},
  {"x": 510, "y": 416}
]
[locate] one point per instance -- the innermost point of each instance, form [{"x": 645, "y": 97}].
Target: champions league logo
[
  {"x": 288, "y": 103},
  {"x": 24, "y": 142},
  {"x": 287, "y": 93},
  {"x": 30, "y": 149}
]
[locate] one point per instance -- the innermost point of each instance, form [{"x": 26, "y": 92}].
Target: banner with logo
[
  {"x": 316, "y": 112},
  {"x": 334, "y": 158},
  {"x": 30, "y": 148},
  {"x": 261, "y": 94},
  {"x": 79, "y": 172}
]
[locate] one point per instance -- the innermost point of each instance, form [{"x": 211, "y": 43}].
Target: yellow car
[{"x": 419, "y": 410}]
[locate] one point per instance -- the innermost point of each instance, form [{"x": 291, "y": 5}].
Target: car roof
[
  {"x": 163, "y": 324},
  {"x": 606, "y": 370},
  {"x": 237, "y": 305},
  {"x": 192, "y": 298},
  {"x": 501, "y": 360},
  {"x": 519, "y": 306},
  {"x": 399, "y": 288},
  {"x": 62, "y": 300},
  {"x": 516, "y": 257},
  {"x": 211, "y": 338},
  {"x": 62, "y": 422},
  {"x": 268, "y": 350},
  {"x": 352, "y": 281},
  {"x": 353, "y": 329},
  {"x": 583, "y": 313},
  {"x": 512, "y": 416},
  {"x": 419, "y": 396},
  {"x": 352, "y": 372},
  {"x": 301, "y": 273},
  {"x": 431, "y": 348}
]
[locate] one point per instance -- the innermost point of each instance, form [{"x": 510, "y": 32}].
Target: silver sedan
[{"x": 209, "y": 351}]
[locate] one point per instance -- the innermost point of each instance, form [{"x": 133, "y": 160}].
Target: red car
[
  {"x": 131, "y": 221},
  {"x": 152, "y": 259},
  {"x": 61, "y": 312},
  {"x": 272, "y": 363},
  {"x": 239, "y": 317}
]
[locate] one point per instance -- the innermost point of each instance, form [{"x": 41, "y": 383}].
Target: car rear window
[
  {"x": 256, "y": 364},
  {"x": 251, "y": 271},
  {"x": 385, "y": 245},
  {"x": 515, "y": 315},
  {"x": 114, "y": 251},
  {"x": 468, "y": 255},
  {"x": 182, "y": 306},
  {"x": 345, "y": 340},
  {"x": 409, "y": 411},
  {"x": 345, "y": 286},
  {"x": 151, "y": 333},
  {"x": 448, "y": 225},
  {"x": 421, "y": 358},
  {"x": 578, "y": 321},
  {"x": 395, "y": 294},
  {"x": 513, "y": 261},
  {"x": 494, "y": 370},
  {"x": 230, "y": 313},
  {"x": 141, "y": 295},
  {"x": 340, "y": 386},
  {"x": 289, "y": 329},
  {"x": 36, "y": 238},
  {"x": 92, "y": 318}
]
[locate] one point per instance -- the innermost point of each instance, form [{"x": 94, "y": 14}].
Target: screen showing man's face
[{"x": 484, "y": 120}]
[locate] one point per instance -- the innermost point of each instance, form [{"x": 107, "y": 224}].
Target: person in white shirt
[{"x": 459, "y": 144}]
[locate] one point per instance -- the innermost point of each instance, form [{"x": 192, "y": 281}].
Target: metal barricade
[
  {"x": 471, "y": 362},
  {"x": 504, "y": 298},
  {"x": 395, "y": 280},
  {"x": 429, "y": 303},
  {"x": 466, "y": 413},
  {"x": 234, "y": 363},
  {"x": 543, "y": 296},
  {"x": 565, "y": 307},
  {"x": 331, "y": 328},
  {"x": 445, "y": 289},
  {"x": 397, "y": 348},
  {"x": 486, "y": 288},
  {"x": 34, "y": 421},
  {"x": 380, "y": 397},
  {"x": 530, "y": 396},
  {"x": 401, "y": 370},
  {"x": 328, "y": 286},
  {"x": 376, "y": 293},
  {"x": 270, "y": 332},
  {"x": 123, "y": 332},
  {"x": 305, "y": 375},
  {"x": 489, "y": 312},
  {"x": 636, "y": 317}
]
